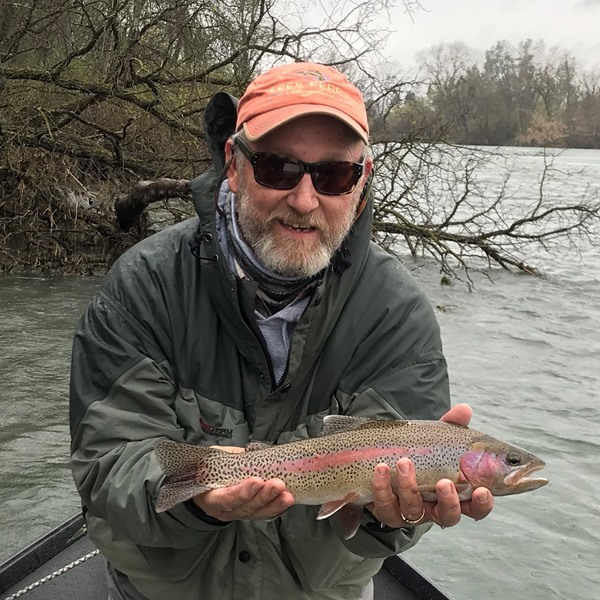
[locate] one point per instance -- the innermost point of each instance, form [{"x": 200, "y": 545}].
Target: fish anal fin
[
  {"x": 349, "y": 518},
  {"x": 347, "y": 513},
  {"x": 329, "y": 508}
]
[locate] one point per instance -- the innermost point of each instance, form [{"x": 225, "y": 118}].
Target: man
[{"x": 253, "y": 322}]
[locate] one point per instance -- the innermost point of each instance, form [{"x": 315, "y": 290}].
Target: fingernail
[
  {"x": 254, "y": 487},
  {"x": 483, "y": 498},
  {"x": 404, "y": 468},
  {"x": 445, "y": 490},
  {"x": 381, "y": 470}
]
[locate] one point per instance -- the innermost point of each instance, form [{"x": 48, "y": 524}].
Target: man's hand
[
  {"x": 251, "y": 499},
  {"x": 408, "y": 507}
]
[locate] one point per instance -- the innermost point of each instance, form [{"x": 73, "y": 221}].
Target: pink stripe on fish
[{"x": 321, "y": 462}]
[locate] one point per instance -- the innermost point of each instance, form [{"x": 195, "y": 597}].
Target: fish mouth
[{"x": 520, "y": 479}]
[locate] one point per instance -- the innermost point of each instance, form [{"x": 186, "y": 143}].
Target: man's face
[{"x": 295, "y": 232}]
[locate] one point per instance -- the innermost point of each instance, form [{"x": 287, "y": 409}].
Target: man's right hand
[{"x": 252, "y": 499}]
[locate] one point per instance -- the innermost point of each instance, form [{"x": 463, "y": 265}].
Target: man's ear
[
  {"x": 368, "y": 167},
  {"x": 366, "y": 183},
  {"x": 232, "y": 172}
]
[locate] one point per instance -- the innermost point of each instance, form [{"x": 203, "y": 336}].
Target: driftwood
[{"x": 129, "y": 207}]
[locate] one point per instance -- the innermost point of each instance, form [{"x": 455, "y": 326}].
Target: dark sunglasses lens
[
  {"x": 277, "y": 172},
  {"x": 336, "y": 178},
  {"x": 282, "y": 173}
]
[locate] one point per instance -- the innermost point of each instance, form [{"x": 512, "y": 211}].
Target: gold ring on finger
[{"x": 413, "y": 521}]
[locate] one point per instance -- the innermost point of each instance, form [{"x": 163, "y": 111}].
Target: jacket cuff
[{"x": 200, "y": 514}]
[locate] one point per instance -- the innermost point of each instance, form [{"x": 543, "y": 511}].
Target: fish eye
[{"x": 513, "y": 459}]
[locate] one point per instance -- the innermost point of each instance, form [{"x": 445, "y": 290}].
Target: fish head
[{"x": 502, "y": 468}]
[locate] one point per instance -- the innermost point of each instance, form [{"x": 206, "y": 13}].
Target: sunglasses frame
[{"x": 310, "y": 168}]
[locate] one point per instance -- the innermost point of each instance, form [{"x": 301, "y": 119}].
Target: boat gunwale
[{"x": 39, "y": 552}]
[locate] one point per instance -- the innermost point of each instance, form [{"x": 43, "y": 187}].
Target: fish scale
[{"x": 337, "y": 467}]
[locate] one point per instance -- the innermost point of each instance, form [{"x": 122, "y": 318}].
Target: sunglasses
[{"x": 334, "y": 178}]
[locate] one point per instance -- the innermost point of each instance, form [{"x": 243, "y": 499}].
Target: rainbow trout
[{"x": 335, "y": 470}]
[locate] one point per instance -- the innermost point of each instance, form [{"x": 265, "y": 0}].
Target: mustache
[{"x": 289, "y": 216}]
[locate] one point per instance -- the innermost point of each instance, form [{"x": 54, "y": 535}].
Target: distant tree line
[{"x": 518, "y": 96}]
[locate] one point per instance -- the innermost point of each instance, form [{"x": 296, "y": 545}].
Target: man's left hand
[{"x": 392, "y": 509}]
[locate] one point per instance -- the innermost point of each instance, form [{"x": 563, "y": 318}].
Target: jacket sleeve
[
  {"x": 399, "y": 372},
  {"x": 122, "y": 399}
]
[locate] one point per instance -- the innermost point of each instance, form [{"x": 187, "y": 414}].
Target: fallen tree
[{"x": 429, "y": 201}]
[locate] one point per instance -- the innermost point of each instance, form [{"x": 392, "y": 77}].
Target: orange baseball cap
[{"x": 287, "y": 92}]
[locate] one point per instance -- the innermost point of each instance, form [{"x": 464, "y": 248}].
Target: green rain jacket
[{"x": 169, "y": 348}]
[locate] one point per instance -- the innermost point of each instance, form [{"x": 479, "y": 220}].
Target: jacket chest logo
[{"x": 215, "y": 431}]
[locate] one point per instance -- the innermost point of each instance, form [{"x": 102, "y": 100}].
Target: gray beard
[
  {"x": 275, "y": 290},
  {"x": 287, "y": 257}
]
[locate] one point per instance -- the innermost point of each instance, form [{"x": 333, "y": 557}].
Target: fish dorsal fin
[{"x": 341, "y": 423}]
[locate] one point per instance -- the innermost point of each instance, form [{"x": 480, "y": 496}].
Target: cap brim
[{"x": 261, "y": 125}]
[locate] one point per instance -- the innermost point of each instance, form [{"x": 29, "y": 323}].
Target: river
[{"x": 523, "y": 351}]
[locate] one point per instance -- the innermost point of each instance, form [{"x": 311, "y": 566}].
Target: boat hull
[{"x": 397, "y": 580}]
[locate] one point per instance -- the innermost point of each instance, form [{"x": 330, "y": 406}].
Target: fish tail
[{"x": 186, "y": 470}]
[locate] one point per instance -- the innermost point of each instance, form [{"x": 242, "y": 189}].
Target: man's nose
[{"x": 303, "y": 198}]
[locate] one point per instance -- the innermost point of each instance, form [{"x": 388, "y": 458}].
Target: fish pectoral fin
[
  {"x": 426, "y": 488},
  {"x": 329, "y": 508},
  {"x": 463, "y": 489}
]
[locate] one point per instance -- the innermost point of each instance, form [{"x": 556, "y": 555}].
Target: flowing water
[{"x": 523, "y": 351}]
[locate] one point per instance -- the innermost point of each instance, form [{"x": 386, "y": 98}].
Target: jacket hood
[{"x": 219, "y": 124}]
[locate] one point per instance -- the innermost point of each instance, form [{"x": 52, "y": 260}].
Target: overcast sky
[{"x": 574, "y": 25}]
